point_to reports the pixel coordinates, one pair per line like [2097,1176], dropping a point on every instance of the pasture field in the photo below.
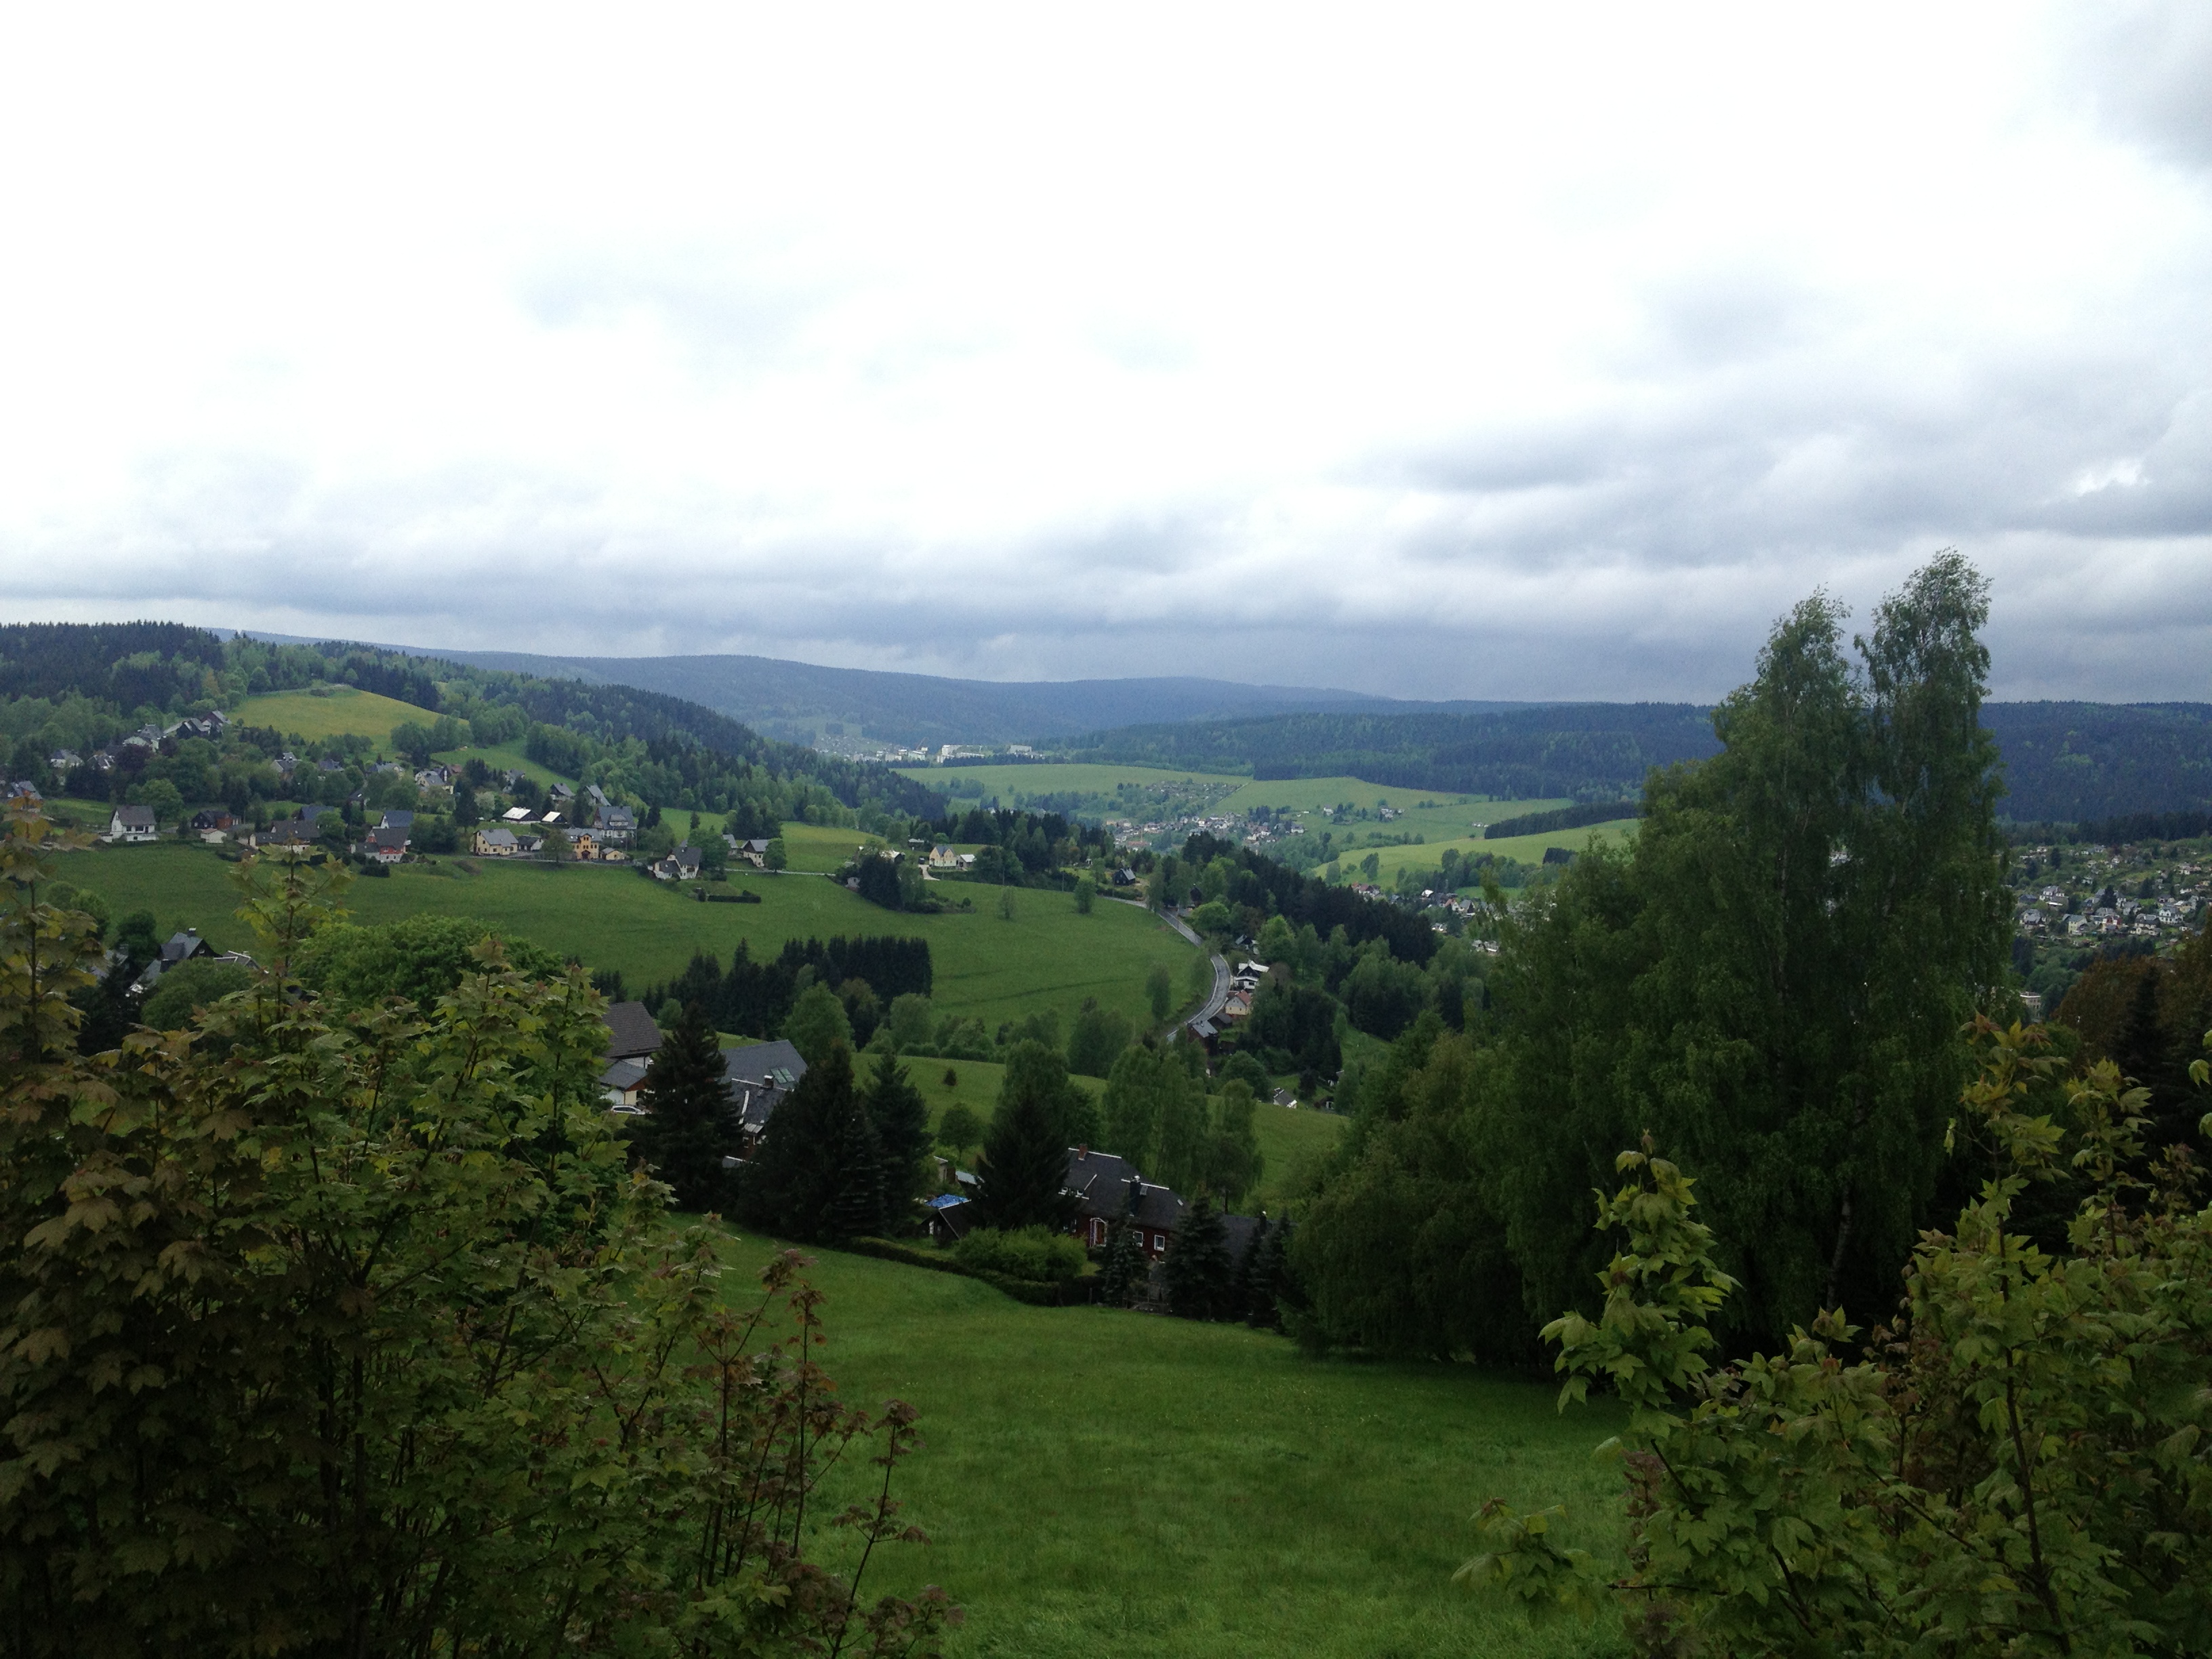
[1443,815]
[818,848]
[500,757]
[1099,1480]
[1063,777]
[608,916]
[1529,849]
[347,708]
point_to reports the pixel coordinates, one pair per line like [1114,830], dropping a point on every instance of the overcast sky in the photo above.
[1431,352]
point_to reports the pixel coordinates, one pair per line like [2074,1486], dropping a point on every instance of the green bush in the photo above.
[2015,1466]
[1032,1253]
[190,985]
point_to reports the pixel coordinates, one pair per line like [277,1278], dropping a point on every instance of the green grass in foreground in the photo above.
[608,916]
[1099,1480]
[347,708]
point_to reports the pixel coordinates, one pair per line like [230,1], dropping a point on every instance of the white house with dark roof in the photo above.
[132,823]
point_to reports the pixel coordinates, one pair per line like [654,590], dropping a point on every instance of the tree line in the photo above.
[1771,982]
[756,997]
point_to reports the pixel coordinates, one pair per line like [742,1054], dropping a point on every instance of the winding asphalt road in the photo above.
[1219,998]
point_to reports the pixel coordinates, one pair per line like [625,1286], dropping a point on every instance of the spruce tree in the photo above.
[1198,1272]
[1024,1167]
[792,1182]
[1251,1267]
[1263,1278]
[901,1118]
[684,1095]
[856,1203]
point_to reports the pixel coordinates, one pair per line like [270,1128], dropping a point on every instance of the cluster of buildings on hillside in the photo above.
[758,1077]
[2100,910]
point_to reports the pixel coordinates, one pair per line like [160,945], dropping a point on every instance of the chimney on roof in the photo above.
[1082,1151]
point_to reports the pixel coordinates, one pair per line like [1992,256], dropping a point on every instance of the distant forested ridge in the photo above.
[1587,752]
[2064,761]
[78,685]
[801,701]
[2071,761]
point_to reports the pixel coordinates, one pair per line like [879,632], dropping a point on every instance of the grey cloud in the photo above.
[2146,71]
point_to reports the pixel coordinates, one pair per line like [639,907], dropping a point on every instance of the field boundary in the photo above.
[1071,1293]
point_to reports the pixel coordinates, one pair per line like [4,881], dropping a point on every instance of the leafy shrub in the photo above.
[2017,1467]
[357,1335]
[1031,1253]
[190,985]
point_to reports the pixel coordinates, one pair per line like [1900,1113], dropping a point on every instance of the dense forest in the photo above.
[1589,751]
[2063,762]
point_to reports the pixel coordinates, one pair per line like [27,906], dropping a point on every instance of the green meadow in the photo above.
[1529,849]
[1095,1479]
[345,708]
[1047,957]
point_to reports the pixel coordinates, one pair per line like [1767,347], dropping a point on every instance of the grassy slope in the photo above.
[816,848]
[347,710]
[1103,1481]
[1048,957]
[1448,813]
[1529,849]
[502,758]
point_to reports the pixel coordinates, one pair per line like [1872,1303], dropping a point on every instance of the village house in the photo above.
[183,945]
[496,841]
[292,833]
[617,826]
[681,864]
[132,823]
[386,844]
[1109,1190]
[396,818]
[213,826]
[758,1077]
[633,1039]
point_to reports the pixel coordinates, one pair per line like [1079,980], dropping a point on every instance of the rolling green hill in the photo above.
[1102,1480]
[345,708]
[607,917]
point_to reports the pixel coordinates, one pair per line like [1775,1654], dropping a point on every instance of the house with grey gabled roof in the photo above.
[132,823]
[632,1033]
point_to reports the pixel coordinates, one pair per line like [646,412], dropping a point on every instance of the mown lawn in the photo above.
[347,708]
[1102,1481]
[1048,957]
